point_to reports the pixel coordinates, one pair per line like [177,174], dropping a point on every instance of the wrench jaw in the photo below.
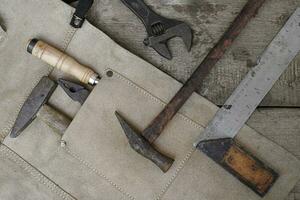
[185,33]
[159,42]
[161,48]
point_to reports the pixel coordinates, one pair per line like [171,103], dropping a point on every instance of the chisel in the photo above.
[62,61]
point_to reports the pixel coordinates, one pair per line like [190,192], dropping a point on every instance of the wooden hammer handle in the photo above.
[243,165]
[62,61]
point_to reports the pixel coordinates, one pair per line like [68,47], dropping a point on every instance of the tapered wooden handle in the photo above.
[247,168]
[62,61]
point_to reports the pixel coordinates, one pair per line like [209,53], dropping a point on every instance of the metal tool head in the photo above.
[160,29]
[38,97]
[143,147]
[159,41]
[74,91]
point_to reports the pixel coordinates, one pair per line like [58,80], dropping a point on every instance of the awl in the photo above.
[217,141]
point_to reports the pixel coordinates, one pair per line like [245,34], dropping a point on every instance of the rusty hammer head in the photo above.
[143,147]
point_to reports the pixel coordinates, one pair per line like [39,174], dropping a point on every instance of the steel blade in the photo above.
[257,83]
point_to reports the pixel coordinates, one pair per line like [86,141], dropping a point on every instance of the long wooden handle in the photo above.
[195,82]
[62,61]
[240,163]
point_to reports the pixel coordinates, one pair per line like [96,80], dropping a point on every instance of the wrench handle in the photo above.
[146,15]
[62,61]
[140,9]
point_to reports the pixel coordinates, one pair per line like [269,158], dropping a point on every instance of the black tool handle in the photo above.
[154,23]
[82,8]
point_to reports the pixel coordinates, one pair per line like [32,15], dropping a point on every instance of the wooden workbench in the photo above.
[209,19]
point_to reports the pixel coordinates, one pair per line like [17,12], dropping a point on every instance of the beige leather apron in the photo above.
[93,159]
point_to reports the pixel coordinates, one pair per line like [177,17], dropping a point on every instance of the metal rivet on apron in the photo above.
[109,73]
[63,143]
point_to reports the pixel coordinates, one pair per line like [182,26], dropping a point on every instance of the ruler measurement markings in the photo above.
[257,83]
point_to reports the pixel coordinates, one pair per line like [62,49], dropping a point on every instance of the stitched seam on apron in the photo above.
[5,131]
[93,169]
[185,118]
[179,168]
[172,179]
[34,173]
[154,98]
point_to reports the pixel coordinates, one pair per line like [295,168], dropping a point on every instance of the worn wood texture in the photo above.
[209,19]
[282,126]
[240,163]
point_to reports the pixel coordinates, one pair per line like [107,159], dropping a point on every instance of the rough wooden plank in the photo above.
[209,19]
[282,126]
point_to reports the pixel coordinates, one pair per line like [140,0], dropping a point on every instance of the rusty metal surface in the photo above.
[143,147]
[152,132]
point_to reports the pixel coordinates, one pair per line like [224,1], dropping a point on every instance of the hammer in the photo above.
[195,82]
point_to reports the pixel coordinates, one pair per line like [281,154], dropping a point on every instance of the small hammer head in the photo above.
[38,97]
[75,91]
[159,41]
[143,147]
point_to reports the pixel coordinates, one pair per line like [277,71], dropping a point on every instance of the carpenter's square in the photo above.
[159,28]
[217,141]
[35,105]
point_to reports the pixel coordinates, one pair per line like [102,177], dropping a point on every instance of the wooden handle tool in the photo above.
[240,163]
[62,61]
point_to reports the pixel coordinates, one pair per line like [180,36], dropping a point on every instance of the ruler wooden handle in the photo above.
[247,168]
[62,61]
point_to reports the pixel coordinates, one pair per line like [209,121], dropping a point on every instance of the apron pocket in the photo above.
[96,138]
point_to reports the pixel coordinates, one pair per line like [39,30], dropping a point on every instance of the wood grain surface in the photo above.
[209,19]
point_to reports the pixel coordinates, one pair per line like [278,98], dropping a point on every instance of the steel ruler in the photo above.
[257,83]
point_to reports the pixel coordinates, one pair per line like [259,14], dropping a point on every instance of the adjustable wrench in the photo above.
[160,29]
